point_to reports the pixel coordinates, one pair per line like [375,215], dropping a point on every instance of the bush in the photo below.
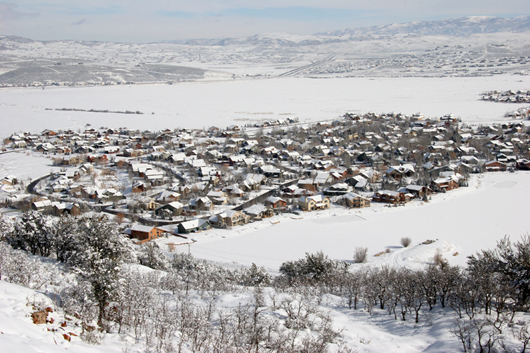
[360,255]
[405,241]
[314,267]
[438,259]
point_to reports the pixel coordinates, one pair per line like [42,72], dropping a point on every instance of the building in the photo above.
[315,202]
[144,233]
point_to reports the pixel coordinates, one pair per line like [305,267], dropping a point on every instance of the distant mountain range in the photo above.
[391,50]
[463,26]
[460,27]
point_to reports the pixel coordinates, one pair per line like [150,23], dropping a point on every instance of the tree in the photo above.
[315,267]
[405,241]
[511,262]
[65,237]
[33,233]
[100,253]
[255,276]
[151,256]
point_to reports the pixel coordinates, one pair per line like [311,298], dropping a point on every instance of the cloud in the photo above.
[291,13]
[80,22]
[8,13]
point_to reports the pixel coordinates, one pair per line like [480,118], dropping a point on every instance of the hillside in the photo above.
[471,46]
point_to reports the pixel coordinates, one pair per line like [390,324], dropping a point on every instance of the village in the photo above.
[181,181]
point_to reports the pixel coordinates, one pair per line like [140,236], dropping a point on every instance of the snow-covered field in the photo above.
[462,222]
[203,104]
[25,165]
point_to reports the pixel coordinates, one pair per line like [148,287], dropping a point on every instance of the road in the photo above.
[302,68]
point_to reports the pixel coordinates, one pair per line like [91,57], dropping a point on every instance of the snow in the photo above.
[25,165]
[222,103]
[19,334]
[462,221]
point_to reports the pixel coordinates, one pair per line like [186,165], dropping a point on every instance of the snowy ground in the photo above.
[25,165]
[203,104]
[462,222]
[19,334]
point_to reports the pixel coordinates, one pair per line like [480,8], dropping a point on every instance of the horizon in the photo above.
[119,21]
[261,33]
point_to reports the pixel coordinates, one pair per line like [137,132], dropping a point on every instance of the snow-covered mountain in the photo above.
[463,26]
[469,46]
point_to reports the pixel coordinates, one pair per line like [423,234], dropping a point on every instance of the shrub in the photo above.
[360,255]
[439,259]
[315,267]
[405,241]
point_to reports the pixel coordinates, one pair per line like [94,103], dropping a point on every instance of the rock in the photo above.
[39,317]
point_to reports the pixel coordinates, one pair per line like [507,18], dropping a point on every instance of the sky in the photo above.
[140,21]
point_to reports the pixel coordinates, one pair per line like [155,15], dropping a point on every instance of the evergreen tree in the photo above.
[101,252]
[65,238]
[33,233]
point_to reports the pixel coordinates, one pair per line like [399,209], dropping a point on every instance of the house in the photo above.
[444,184]
[202,204]
[234,190]
[72,174]
[229,218]
[448,180]
[337,189]
[270,171]
[62,208]
[154,176]
[218,197]
[400,172]
[392,197]
[419,191]
[148,203]
[308,184]
[315,202]
[370,174]
[354,200]
[144,233]
[276,203]
[109,195]
[70,161]
[167,196]
[94,158]
[139,187]
[253,182]
[45,147]
[195,225]
[43,204]
[523,164]
[258,212]
[169,210]
[495,166]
